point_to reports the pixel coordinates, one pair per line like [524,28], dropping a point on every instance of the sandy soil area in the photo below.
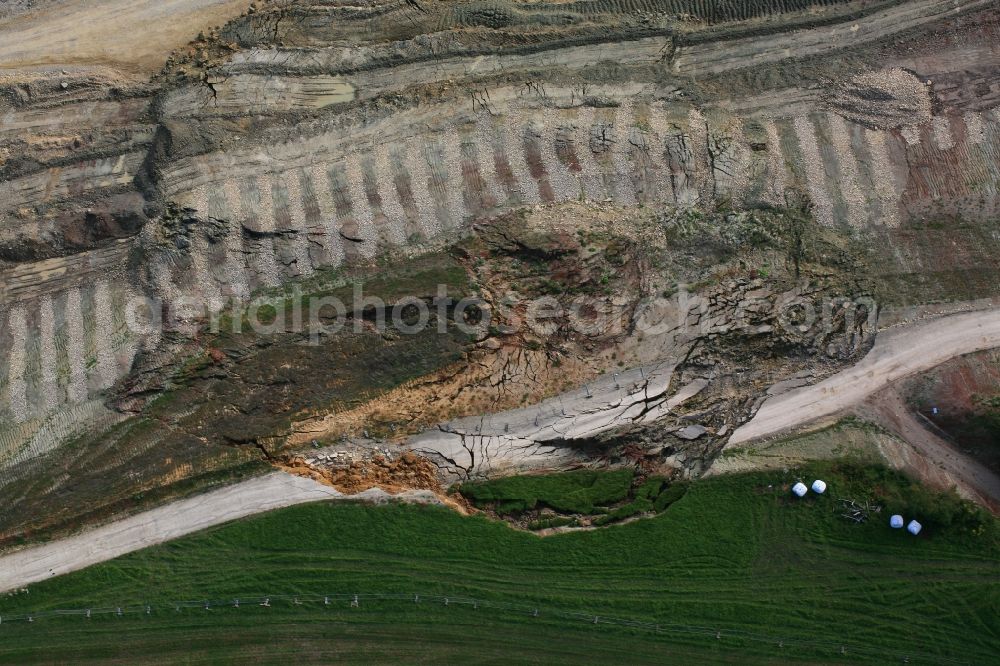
[131,35]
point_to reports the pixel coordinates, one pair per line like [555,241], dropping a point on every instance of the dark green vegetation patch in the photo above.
[574,492]
[608,496]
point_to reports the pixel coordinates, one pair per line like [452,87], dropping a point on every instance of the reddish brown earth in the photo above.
[938,461]
[965,393]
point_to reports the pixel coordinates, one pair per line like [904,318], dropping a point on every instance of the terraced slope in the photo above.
[310,135]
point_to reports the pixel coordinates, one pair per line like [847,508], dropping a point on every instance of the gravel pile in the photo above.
[883,99]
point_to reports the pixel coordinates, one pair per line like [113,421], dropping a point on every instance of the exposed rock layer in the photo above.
[310,135]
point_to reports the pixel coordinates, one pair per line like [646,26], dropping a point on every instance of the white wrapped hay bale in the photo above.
[819,486]
[896,522]
[914,527]
[800,489]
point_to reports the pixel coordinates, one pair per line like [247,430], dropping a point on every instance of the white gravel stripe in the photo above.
[701,169]
[621,153]
[657,140]
[361,209]
[265,218]
[204,282]
[297,219]
[486,157]
[815,174]
[885,183]
[104,331]
[145,333]
[850,178]
[564,185]
[911,135]
[328,214]
[76,346]
[416,166]
[17,360]
[236,270]
[941,130]
[975,128]
[451,150]
[513,144]
[777,168]
[385,177]
[198,200]
[739,158]
[591,176]
[47,353]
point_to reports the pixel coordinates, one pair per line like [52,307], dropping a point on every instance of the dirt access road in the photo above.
[936,459]
[273,491]
[897,353]
[129,35]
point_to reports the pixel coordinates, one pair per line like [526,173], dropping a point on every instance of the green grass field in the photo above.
[737,555]
[610,496]
[577,492]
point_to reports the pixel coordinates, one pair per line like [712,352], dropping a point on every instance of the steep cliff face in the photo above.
[305,138]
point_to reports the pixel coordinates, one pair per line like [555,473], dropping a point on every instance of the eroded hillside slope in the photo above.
[707,169]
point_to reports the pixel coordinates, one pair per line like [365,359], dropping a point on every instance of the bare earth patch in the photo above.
[116,33]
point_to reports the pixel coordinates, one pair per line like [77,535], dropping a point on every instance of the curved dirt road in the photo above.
[273,491]
[897,353]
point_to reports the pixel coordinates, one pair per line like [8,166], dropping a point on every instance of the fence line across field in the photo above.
[356,601]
